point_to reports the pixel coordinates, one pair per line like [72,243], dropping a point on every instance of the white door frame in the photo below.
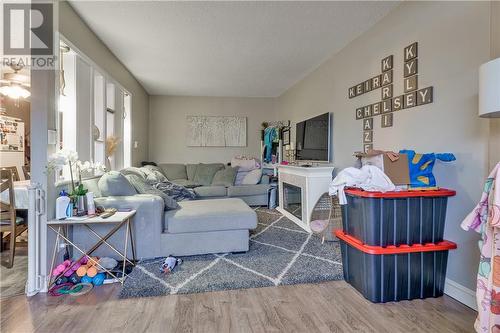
[44,85]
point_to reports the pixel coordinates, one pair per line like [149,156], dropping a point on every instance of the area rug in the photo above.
[281,253]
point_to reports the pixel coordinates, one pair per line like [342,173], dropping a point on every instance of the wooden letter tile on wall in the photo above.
[376,109]
[387,120]
[359,113]
[410,100]
[387,63]
[387,105]
[367,147]
[368,85]
[367,111]
[367,136]
[367,124]
[425,96]
[352,92]
[376,81]
[411,83]
[387,78]
[359,89]
[387,91]
[411,51]
[397,103]
[410,68]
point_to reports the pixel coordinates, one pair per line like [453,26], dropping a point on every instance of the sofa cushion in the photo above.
[113,183]
[210,215]
[174,170]
[246,190]
[191,171]
[211,191]
[205,173]
[225,177]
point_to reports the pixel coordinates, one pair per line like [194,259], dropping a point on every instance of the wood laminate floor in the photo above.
[325,307]
[13,280]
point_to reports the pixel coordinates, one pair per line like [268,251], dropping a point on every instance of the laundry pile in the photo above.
[368,178]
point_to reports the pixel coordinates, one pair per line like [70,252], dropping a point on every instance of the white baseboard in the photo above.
[460,293]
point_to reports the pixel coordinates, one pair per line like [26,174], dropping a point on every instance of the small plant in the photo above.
[68,157]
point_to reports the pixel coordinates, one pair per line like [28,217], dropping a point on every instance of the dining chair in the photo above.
[9,221]
[27,172]
[15,174]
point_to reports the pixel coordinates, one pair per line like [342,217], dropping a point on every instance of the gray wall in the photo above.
[78,33]
[454,40]
[167,129]
[494,139]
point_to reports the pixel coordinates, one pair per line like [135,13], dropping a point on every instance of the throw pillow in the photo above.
[206,172]
[160,176]
[155,169]
[133,171]
[245,164]
[113,183]
[153,176]
[253,177]
[144,188]
[240,175]
[225,177]
[150,176]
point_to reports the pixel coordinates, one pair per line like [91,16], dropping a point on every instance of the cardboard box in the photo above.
[395,166]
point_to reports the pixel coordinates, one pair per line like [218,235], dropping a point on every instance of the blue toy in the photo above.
[98,279]
[62,280]
[86,279]
[74,278]
[420,166]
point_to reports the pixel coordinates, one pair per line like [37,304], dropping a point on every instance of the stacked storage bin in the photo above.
[392,243]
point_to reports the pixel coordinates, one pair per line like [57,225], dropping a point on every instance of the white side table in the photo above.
[119,218]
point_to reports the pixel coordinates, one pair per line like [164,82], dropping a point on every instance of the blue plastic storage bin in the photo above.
[393,218]
[394,273]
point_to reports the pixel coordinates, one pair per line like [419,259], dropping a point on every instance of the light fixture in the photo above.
[15,91]
[15,85]
[489,89]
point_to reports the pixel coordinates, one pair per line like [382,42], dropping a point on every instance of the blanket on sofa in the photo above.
[145,182]
[178,192]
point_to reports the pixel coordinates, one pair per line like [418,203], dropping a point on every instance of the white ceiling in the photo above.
[238,48]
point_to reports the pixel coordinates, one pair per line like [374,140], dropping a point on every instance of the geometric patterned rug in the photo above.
[281,253]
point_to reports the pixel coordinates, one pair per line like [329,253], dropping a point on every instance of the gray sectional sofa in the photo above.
[189,175]
[219,221]
[197,227]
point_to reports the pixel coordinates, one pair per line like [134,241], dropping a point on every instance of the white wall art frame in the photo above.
[216,131]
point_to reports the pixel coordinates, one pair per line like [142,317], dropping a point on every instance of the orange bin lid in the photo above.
[400,249]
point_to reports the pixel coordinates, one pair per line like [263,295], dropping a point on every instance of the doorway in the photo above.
[15,163]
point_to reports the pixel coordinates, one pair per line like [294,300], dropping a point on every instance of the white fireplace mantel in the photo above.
[313,182]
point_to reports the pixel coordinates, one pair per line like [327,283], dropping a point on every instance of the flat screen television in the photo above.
[312,139]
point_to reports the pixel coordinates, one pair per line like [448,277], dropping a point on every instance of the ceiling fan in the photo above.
[15,85]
